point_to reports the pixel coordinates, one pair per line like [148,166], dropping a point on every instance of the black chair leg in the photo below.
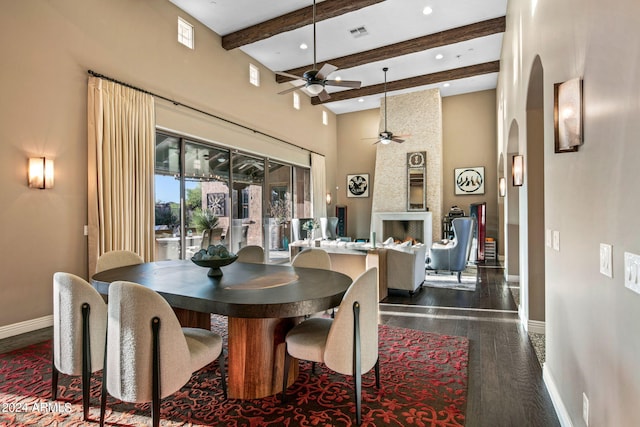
[103,392]
[155,394]
[223,374]
[377,371]
[54,381]
[357,379]
[459,276]
[313,368]
[285,376]
[86,360]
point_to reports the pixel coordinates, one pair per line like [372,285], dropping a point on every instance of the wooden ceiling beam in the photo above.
[455,35]
[426,79]
[293,20]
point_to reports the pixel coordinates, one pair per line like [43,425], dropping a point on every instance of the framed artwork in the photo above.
[217,202]
[567,115]
[358,185]
[469,180]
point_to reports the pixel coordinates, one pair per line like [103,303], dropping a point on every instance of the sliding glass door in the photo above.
[252,197]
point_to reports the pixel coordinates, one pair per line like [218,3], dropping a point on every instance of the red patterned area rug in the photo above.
[423,383]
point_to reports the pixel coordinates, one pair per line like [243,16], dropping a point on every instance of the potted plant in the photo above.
[206,222]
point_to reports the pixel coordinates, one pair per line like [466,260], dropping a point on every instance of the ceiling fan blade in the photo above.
[324,95]
[377,142]
[398,140]
[291,76]
[325,71]
[291,89]
[344,83]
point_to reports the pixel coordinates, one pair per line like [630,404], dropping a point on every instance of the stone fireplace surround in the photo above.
[378,219]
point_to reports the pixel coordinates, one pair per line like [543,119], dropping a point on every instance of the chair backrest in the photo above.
[463,232]
[312,258]
[338,354]
[252,254]
[115,259]
[129,342]
[329,227]
[69,293]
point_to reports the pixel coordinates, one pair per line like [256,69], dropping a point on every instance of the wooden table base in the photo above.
[256,357]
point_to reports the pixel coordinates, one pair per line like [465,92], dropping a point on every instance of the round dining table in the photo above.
[262,303]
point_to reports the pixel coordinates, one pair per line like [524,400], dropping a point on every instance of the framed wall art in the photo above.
[469,180]
[358,185]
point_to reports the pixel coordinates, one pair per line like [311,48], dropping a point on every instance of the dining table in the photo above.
[262,303]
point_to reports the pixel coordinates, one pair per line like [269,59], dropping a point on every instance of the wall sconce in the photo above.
[328,198]
[567,115]
[40,173]
[517,170]
[502,186]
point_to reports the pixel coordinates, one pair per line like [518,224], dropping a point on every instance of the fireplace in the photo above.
[400,225]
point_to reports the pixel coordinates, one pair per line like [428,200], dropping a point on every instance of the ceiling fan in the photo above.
[314,80]
[387,136]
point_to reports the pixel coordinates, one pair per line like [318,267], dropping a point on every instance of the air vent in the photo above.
[358,32]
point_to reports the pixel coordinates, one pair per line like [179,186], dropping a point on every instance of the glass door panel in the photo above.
[278,215]
[248,174]
[167,198]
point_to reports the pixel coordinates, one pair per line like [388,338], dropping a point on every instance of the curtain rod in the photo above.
[206,113]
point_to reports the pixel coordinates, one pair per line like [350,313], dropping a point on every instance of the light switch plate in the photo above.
[632,271]
[547,237]
[606,259]
[556,240]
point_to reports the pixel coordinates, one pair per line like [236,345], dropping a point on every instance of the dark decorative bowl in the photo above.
[215,264]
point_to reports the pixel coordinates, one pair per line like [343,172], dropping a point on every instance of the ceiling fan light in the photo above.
[385,141]
[315,88]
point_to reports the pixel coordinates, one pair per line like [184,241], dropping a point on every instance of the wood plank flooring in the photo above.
[505,377]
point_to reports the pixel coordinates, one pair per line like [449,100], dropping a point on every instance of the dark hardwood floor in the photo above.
[505,377]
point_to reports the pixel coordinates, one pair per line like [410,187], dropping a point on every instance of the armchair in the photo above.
[453,256]
[405,268]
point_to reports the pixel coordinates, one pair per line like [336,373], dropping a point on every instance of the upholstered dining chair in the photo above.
[252,254]
[149,355]
[312,258]
[79,328]
[347,344]
[115,259]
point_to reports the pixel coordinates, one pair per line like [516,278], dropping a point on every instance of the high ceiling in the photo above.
[390,33]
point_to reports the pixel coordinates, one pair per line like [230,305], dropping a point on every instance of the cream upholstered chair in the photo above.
[115,259]
[252,254]
[79,328]
[312,258]
[347,344]
[149,356]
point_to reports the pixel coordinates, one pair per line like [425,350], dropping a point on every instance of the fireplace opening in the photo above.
[403,230]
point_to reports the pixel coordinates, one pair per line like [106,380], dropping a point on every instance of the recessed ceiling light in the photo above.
[337,78]
[446,85]
[303,46]
[439,56]
[427,11]
[361,100]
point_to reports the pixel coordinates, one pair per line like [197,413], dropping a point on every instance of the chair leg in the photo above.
[357,358]
[103,392]
[313,368]
[223,374]
[285,377]
[86,360]
[54,379]
[377,371]
[459,276]
[155,394]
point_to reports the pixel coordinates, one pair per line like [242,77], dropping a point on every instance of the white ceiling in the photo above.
[388,22]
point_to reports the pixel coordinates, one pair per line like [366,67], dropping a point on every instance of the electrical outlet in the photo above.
[606,259]
[585,409]
[86,230]
[556,240]
[547,237]
[632,271]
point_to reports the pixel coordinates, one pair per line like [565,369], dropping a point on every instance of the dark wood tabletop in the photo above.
[244,290]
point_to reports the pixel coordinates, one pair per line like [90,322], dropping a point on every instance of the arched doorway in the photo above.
[534,183]
[512,215]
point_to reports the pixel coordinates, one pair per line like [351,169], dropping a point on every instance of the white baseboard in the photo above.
[558,404]
[535,326]
[512,278]
[26,326]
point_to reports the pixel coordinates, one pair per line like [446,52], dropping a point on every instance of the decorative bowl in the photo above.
[215,264]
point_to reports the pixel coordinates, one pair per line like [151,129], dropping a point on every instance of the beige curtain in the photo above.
[121,138]
[318,185]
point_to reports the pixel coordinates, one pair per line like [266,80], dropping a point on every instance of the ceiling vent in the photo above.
[358,32]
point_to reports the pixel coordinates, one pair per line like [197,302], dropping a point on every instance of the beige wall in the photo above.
[469,134]
[43,110]
[591,321]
